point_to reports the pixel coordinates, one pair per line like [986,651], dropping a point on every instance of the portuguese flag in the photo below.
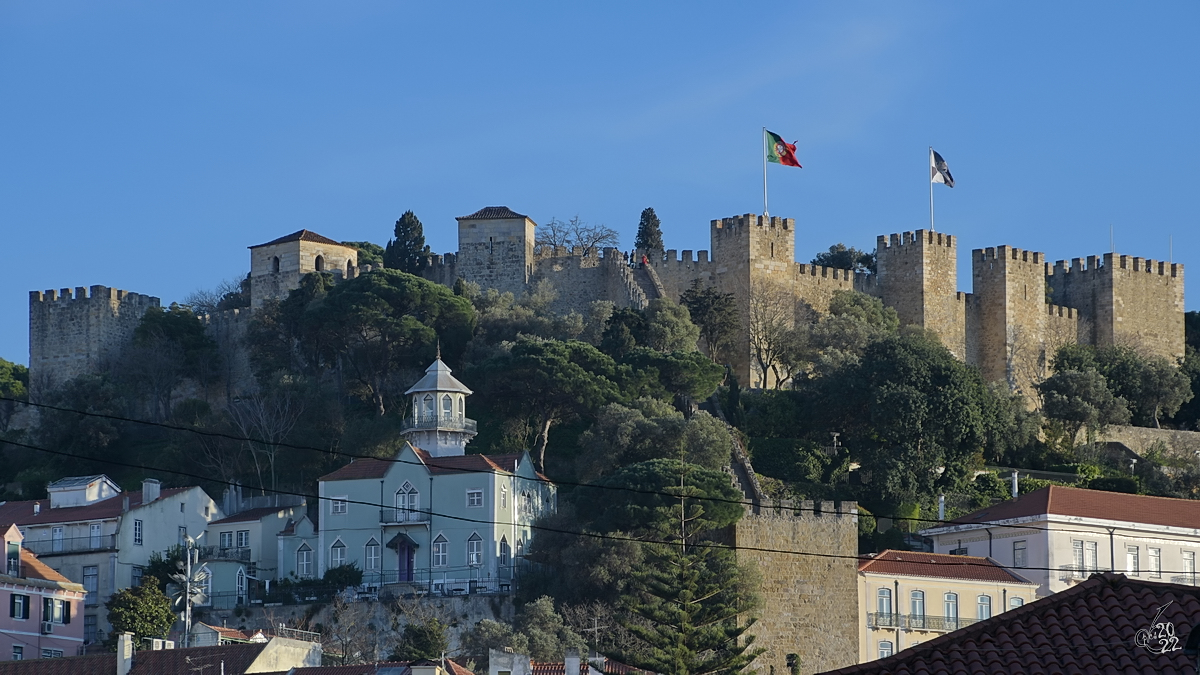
[780,151]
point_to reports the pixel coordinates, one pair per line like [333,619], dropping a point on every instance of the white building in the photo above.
[1058,536]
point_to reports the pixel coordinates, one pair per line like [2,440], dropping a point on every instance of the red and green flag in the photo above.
[780,151]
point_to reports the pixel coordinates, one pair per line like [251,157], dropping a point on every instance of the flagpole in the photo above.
[764,149]
[931,189]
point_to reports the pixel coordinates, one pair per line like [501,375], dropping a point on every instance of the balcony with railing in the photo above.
[66,545]
[436,421]
[929,622]
[1186,579]
[234,553]
[1076,573]
[402,516]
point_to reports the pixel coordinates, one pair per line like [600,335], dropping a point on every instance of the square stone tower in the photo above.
[495,249]
[749,245]
[277,266]
[917,276]
[1012,316]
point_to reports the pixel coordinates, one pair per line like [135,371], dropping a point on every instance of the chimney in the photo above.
[37,508]
[125,504]
[150,490]
[1014,484]
[941,509]
[124,653]
[571,662]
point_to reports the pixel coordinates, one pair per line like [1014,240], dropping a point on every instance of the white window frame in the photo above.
[883,601]
[338,506]
[1155,560]
[503,497]
[337,554]
[227,539]
[243,538]
[983,607]
[475,498]
[371,555]
[1015,602]
[1189,564]
[475,549]
[304,562]
[1020,553]
[408,502]
[56,538]
[886,649]
[441,551]
[1133,560]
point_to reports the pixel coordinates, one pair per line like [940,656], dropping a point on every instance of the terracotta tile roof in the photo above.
[237,658]
[1088,629]
[227,633]
[303,235]
[251,515]
[96,664]
[21,513]
[32,568]
[1068,501]
[560,668]
[378,468]
[915,564]
[386,667]
[493,213]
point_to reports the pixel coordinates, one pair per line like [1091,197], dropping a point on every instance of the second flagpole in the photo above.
[764,149]
[931,189]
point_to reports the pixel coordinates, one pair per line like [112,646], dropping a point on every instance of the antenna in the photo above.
[1112,245]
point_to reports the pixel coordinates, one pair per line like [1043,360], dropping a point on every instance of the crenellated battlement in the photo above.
[1060,311]
[1008,253]
[103,293]
[828,272]
[920,238]
[753,220]
[806,509]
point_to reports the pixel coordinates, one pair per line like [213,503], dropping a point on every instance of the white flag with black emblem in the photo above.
[938,171]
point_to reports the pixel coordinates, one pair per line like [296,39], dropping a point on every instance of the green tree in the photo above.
[1081,399]
[14,384]
[716,314]
[548,381]
[407,251]
[649,234]
[687,374]
[1164,389]
[669,327]
[161,566]
[626,329]
[650,429]
[548,637]
[488,635]
[855,321]
[143,610]
[424,639]
[168,346]
[368,253]
[840,257]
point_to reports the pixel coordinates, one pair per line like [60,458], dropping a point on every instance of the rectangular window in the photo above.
[227,540]
[94,538]
[337,506]
[14,559]
[1189,567]
[1132,561]
[475,551]
[56,535]
[18,653]
[18,606]
[885,649]
[474,498]
[52,653]
[1014,602]
[983,607]
[135,576]
[91,584]
[183,535]
[137,533]
[243,539]
[503,497]
[1077,554]
[1091,559]
[372,556]
[1019,553]
[1155,563]
[440,552]
[337,556]
[956,551]
[304,563]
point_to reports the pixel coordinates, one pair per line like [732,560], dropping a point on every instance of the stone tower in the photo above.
[751,245]
[438,420]
[917,276]
[72,334]
[495,249]
[277,266]
[1010,343]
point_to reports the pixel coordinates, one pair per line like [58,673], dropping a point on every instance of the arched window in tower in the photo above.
[447,407]
[505,552]
[320,263]
[349,266]
[275,264]
[427,403]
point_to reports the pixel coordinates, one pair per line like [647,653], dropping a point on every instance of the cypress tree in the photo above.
[649,234]
[407,251]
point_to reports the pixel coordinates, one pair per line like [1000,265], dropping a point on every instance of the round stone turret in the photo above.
[437,421]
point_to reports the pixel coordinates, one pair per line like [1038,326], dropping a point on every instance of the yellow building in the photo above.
[906,598]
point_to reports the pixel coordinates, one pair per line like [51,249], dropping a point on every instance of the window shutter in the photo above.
[66,609]
[12,606]
[47,609]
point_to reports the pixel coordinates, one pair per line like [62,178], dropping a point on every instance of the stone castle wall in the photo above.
[496,253]
[228,329]
[809,602]
[76,333]
[581,278]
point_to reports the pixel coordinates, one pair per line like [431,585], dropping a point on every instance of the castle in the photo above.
[1021,309]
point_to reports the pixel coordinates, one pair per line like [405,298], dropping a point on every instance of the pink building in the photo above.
[40,609]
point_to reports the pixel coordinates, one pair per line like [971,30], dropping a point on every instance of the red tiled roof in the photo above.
[1088,629]
[302,235]
[367,669]
[377,468]
[32,568]
[21,513]
[560,668]
[236,658]
[1069,501]
[493,213]
[251,515]
[228,633]
[916,564]
[96,664]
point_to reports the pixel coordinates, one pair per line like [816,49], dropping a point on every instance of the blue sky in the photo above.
[144,146]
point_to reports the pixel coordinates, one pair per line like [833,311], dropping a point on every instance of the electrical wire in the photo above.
[795,508]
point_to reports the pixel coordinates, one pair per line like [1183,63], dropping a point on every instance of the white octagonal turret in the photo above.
[437,421]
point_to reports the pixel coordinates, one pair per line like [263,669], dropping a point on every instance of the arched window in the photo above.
[916,609]
[275,264]
[1014,603]
[372,555]
[475,550]
[983,607]
[337,554]
[885,649]
[349,266]
[505,552]
[408,503]
[440,551]
[304,568]
[447,407]
[883,602]
[320,263]
[241,586]
[427,404]
[951,610]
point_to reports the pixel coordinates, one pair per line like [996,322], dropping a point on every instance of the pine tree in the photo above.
[649,234]
[407,251]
